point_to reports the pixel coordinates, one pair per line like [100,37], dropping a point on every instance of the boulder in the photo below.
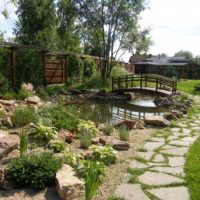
[106,140]
[120,145]
[95,140]
[69,187]
[7,122]
[177,113]
[66,135]
[163,101]
[7,144]
[158,121]
[170,116]
[33,100]
[7,102]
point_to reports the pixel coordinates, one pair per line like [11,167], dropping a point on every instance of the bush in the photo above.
[85,139]
[57,146]
[87,126]
[117,70]
[60,116]
[124,133]
[23,94]
[44,132]
[37,171]
[24,116]
[90,68]
[108,129]
[8,95]
[75,69]
[106,154]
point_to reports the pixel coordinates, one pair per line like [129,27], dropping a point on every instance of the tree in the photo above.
[36,23]
[186,54]
[68,31]
[113,25]
[4,12]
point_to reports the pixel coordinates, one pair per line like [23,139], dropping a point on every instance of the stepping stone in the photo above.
[182,125]
[175,129]
[131,192]
[145,155]
[157,179]
[152,164]
[197,128]
[179,151]
[171,170]
[179,134]
[168,147]
[159,158]
[176,161]
[172,137]
[180,143]
[137,165]
[189,139]
[186,131]
[151,146]
[158,139]
[171,193]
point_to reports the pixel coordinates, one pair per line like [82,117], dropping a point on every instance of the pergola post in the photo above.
[13,67]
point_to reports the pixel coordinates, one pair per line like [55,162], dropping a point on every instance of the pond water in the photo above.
[110,112]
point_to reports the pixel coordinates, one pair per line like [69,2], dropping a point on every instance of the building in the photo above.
[180,67]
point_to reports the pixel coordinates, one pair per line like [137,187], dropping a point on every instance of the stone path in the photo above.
[157,172]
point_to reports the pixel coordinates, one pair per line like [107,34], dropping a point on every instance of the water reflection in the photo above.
[109,112]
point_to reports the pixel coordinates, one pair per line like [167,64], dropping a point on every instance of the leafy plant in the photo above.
[23,144]
[108,129]
[124,133]
[106,154]
[89,68]
[57,146]
[87,126]
[24,116]
[23,94]
[92,174]
[45,132]
[85,139]
[72,159]
[60,116]
[37,171]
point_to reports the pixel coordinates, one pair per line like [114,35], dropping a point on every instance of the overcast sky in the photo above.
[175,25]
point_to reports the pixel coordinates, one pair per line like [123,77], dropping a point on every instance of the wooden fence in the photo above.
[142,81]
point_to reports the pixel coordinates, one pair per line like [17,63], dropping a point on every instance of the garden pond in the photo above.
[113,111]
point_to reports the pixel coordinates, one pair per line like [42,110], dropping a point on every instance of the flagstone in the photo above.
[180,143]
[145,155]
[175,129]
[179,151]
[131,192]
[158,139]
[186,131]
[171,193]
[176,161]
[158,178]
[137,165]
[159,158]
[172,137]
[150,146]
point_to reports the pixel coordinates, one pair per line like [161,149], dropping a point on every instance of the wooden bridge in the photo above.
[144,82]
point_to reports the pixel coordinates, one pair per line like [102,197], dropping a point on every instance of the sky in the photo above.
[174,24]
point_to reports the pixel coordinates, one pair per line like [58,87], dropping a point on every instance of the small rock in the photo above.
[106,140]
[66,135]
[33,100]
[120,145]
[69,186]
[95,140]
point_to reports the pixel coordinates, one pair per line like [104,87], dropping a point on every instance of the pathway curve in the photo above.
[157,171]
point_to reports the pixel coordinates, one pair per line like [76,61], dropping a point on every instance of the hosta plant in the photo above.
[87,126]
[106,154]
[57,146]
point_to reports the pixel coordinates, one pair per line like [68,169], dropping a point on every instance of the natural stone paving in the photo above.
[163,171]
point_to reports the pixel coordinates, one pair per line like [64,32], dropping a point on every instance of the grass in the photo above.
[192,170]
[188,86]
[124,134]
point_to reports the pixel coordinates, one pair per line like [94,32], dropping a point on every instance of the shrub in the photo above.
[75,69]
[124,133]
[23,94]
[8,95]
[108,129]
[23,144]
[85,139]
[57,146]
[117,70]
[24,116]
[92,173]
[90,68]
[44,132]
[87,126]
[37,171]
[106,154]
[60,116]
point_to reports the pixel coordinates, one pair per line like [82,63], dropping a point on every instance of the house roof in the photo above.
[163,61]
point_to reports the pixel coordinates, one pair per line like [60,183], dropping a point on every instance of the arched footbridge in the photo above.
[145,82]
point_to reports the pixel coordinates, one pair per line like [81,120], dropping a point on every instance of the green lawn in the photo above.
[192,170]
[188,86]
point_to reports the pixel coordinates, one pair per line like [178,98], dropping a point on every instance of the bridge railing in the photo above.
[142,81]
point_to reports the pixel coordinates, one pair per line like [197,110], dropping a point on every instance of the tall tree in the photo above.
[113,24]
[184,53]
[36,22]
[68,31]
